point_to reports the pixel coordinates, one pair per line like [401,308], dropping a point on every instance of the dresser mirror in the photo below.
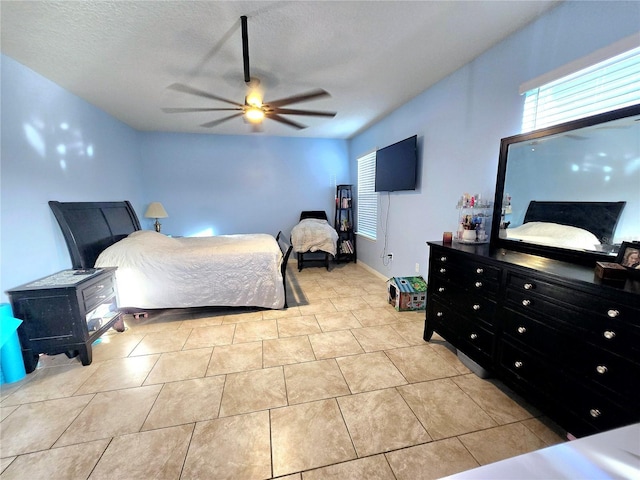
[571,191]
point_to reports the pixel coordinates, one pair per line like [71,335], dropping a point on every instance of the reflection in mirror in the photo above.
[575,186]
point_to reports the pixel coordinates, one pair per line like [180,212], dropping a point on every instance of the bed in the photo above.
[156,271]
[313,239]
[571,225]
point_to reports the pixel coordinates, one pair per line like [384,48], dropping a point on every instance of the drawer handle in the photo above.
[443,270]
[526,302]
[595,413]
[439,314]
[443,259]
[528,286]
[609,334]
[478,284]
[479,270]
[101,297]
[100,287]
[473,336]
[522,330]
[476,307]
[613,313]
[440,289]
[601,369]
[518,364]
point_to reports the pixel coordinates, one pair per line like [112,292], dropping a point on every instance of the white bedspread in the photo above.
[544,233]
[313,234]
[155,271]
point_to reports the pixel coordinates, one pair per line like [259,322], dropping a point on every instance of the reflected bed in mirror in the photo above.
[571,191]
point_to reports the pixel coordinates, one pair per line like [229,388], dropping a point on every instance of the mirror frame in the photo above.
[573,256]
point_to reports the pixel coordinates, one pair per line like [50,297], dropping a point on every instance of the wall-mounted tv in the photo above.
[397,165]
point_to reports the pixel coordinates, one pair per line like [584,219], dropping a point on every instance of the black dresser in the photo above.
[549,329]
[65,313]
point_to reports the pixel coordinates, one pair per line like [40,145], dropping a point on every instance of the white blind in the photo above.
[608,85]
[367,196]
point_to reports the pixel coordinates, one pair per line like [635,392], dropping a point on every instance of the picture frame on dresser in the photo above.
[629,257]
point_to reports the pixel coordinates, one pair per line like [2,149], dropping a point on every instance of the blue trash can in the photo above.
[11,363]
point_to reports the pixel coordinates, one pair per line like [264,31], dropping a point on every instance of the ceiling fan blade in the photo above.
[303,97]
[310,113]
[245,48]
[220,120]
[180,87]
[286,121]
[188,110]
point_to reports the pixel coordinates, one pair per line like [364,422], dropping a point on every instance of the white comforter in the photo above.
[313,234]
[155,271]
[544,233]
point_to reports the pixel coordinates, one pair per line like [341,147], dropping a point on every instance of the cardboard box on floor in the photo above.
[407,293]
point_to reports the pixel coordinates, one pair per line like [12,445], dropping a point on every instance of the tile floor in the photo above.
[339,385]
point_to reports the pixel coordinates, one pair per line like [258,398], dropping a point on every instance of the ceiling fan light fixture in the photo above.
[254,99]
[254,114]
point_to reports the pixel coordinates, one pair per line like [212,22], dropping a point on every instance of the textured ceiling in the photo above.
[371,56]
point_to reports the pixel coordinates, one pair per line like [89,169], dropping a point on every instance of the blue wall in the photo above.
[460,121]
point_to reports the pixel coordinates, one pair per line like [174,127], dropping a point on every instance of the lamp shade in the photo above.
[156,210]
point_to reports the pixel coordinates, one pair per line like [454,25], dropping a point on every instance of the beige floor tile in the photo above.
[334,344]
[411,331]
[319,306]
[320,293]
[370,317]
[444,409]
[370,468]
[161,342]
[36,426]
[154,454]
[202,322]
[210,336]
[75,461]
[376,299]
[381,421]
[370,371]
[119,373]
[284,351]
[188,401]
[252,391]
[307,436]
[256,331]
[175,366]
[350,291]
[431,460]
[116,345]
[492,400]
[233,447]
[110,414]
[546,430]
[344,304]
[242,317]
[59,360]
[235,358]
[5,462]
[420,363]
[494,444]
[153,325]
[51,383]
[6,411]
[277,314]
[333,321]
[446,351]
[311,381]
[301,325]
[374,339]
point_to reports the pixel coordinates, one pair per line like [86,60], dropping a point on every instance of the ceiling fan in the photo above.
[253,109]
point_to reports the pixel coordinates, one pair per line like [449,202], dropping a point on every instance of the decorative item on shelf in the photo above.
[156,210]
[629,258]
[473,219]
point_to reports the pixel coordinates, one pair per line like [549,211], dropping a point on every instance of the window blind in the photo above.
[367,196]
[606,86]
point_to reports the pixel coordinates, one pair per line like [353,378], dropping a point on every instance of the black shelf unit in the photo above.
[343,223]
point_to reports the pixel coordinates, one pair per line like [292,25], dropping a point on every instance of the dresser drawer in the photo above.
[97,293]
[468,303]
[442,319]
[528,368]
[476,341]
[535,335]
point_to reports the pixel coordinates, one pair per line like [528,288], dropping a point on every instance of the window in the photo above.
[605,86]
[367,196]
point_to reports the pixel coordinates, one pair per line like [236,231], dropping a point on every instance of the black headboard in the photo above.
[599,218]
[90,227]
[313,214]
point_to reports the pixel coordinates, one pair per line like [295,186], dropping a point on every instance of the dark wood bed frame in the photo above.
[599,218]
[90,227]
[313,257]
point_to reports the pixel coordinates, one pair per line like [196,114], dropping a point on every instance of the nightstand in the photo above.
[65,313]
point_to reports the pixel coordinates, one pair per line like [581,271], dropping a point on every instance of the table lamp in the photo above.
[156,210]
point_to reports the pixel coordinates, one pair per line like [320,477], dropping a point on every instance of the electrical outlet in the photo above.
[390,256]
[417,268]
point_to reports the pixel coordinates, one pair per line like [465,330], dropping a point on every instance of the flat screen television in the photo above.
[396,166]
